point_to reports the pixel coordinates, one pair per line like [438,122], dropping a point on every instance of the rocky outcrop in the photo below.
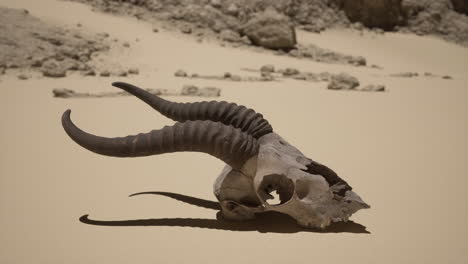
[27,42]
[385,14]
[460,6]
[436,17]
[444,18]
[271,30]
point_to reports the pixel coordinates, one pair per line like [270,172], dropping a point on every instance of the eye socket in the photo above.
[276,189]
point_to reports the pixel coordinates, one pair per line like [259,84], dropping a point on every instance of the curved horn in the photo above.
[224,142]
[232,114]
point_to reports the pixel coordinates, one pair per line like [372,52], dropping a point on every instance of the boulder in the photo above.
[63,92]
[105,73]
[23,76]
[133,70]
[232,10]
[180,73]
[51,68]
[460,6]
[192,90]
[268,68]
[405,74]
[290,72]
[373,88]
[186,29]
[271,30]
[230,35]
[343,81]
[385,14]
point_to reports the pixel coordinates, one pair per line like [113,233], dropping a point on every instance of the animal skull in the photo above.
[258,160]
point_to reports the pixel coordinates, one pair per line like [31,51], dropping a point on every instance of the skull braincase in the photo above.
[314,200]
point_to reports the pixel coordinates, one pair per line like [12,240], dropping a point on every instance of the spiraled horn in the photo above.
[232,114]
[224,142]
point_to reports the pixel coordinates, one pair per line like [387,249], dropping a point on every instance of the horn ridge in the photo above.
[227,113]
[224,142]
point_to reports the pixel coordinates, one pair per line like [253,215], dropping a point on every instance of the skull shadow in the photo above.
[268,222]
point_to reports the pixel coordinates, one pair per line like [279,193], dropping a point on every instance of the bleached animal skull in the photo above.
[258,160]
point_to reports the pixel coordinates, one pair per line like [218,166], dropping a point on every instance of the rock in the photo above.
[232,10]
[189,90]
[358,26]
[300,76]
[133,71]
[385,14]
[63,93]
[209,92]
[12,65]
[37,61]
[155,30]
[192,90]
[460,6]
[90,72]
[324,76]
[227,75]
[266,76]
[315,28]
[186,29]
[180,73]
[271,30]
[216,3]
[51,68]
[83,67]
[447,77]
[429,74]
[103,35]
[290,72]
[126,45]
[373,88]
[405,74]
[23,76]
[229,35]
[343,81]
[2,70]
[121,73]
[105,73]
[69,64]
[295,53]
[357,61]
[245,40]
[79,25]
[379,31]
[267,68]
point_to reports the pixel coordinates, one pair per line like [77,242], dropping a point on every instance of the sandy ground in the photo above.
[404,151]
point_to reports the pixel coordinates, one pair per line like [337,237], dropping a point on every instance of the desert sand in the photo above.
[404,151]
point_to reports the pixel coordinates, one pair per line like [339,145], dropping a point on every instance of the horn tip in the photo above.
[66,114]
[119,84]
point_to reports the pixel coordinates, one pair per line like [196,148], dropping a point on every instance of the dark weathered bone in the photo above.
[232,114]
[224,142]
